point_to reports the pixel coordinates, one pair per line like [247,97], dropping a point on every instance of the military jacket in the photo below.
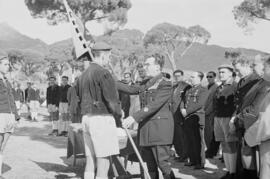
[194,102]
[156,125]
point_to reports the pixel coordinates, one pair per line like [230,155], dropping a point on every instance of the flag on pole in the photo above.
[77,31]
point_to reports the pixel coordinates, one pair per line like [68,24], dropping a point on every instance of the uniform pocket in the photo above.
[160,130]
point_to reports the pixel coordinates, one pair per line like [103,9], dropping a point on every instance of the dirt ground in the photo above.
[32,154]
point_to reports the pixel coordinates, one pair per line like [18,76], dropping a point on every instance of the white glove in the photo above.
[184,112]
[128,122]
[231,124]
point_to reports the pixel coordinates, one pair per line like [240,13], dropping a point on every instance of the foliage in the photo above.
[27,61]
[249,11]
[114,11]
[58,58]
[171,38]
[127,50]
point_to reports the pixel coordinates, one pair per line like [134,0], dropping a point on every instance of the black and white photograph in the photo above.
[143,89]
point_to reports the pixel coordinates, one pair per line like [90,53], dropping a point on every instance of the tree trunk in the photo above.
[171,59]
[186,49]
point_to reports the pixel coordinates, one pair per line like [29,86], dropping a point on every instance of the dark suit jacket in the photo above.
[209,103]
[249,110]
[243,86]
[178,96]
[53,95]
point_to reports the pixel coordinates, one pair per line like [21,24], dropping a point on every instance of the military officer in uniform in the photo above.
[156,125]
[192,110]
[179,138]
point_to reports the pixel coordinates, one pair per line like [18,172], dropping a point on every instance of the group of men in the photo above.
[30,96]
[58,104]
[194,119]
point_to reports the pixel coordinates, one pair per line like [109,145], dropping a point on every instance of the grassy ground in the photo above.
[32,154]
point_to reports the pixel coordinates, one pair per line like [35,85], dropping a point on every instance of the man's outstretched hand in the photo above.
[128,122]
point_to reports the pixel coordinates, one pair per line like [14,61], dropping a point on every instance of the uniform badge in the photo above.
[145,109]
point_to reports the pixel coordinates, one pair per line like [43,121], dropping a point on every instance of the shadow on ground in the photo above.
[41,134]
[62,171]
[206,173]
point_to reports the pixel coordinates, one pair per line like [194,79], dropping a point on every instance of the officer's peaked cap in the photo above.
[228,66]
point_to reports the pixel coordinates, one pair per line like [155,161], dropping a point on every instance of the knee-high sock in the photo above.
[89,175]
[55,125]
[60,125]
[1,162]
[227,162]
[232,160]
[101,177]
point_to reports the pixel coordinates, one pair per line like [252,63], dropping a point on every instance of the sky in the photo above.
[214,15]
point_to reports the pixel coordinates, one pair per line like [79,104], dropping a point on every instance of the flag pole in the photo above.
[138,154]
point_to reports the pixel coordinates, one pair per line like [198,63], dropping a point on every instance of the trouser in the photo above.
[209,130]
[179,140]
[194,142]
[213,147]
[264,148]
[157,157]
[246,168]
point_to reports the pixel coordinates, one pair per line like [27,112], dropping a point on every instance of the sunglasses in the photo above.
[209,77]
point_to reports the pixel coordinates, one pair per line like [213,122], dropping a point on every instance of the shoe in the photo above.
[53,133]
[169,176]
[221,159]
[62,133]
[198,167]
[225,176]
[189,164]
[180,159]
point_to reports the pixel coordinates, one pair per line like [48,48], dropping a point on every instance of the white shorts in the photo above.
[34,106]
[100,135]
[7,123]
[63,107]
[18,104]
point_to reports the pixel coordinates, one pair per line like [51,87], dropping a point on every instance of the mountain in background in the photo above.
[199,57]
[12,39]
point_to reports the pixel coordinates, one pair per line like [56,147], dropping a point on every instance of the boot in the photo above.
[154,175]
[169,176]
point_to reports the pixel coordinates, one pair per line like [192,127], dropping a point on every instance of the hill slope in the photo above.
[12,39]
[199,57]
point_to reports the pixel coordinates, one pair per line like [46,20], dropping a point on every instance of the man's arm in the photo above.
[136,89]
[162,97]
[250,113]
[110,95]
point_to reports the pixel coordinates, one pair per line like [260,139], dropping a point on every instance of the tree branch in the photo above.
[258,16]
